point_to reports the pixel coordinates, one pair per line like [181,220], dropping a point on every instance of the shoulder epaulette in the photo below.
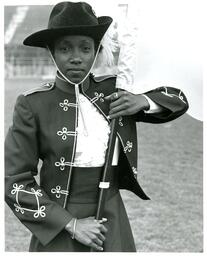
[102,78]
[42,88]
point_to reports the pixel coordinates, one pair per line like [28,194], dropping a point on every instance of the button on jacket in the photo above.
[45,127]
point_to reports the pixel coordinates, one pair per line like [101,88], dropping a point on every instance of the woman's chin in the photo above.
[75,78]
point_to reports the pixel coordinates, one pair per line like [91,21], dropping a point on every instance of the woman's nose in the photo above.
[75,60]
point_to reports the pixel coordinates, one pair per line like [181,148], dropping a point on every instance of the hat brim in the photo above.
[44,37]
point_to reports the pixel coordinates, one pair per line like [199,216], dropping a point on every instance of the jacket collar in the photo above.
[63,85]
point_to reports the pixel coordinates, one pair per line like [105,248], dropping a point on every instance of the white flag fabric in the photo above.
[127,40]
[160,45]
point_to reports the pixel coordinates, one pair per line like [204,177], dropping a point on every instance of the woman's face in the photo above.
[74,56]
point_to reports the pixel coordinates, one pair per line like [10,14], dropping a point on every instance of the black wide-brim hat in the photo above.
[69,18]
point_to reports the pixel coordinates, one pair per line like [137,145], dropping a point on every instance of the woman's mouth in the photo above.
[75,70]
[75,74]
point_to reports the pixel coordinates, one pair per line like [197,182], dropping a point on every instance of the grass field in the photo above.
[170,171]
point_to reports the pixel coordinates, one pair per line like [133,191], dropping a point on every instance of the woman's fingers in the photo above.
[100,228]
[97,241]
[115,95]
[116,102]
[103,229]
[101,221]
[95,246]
[101,237]
[91,232]
[118,114]
[117,109]
[123,103]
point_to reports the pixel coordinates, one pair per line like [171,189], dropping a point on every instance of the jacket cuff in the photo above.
[154,107]
[173,100]
[54,227]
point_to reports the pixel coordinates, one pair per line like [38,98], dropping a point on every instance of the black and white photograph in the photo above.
[103,126]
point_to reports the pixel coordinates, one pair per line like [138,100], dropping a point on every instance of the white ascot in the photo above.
[91,145]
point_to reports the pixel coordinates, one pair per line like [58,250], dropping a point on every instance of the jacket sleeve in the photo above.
[173,103]
[32,206]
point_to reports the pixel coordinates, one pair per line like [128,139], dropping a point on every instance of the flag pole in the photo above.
[125,80]
[105,179]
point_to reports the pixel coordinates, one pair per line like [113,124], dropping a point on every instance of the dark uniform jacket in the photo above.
[44,127]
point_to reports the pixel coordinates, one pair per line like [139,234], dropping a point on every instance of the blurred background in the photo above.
[170,155]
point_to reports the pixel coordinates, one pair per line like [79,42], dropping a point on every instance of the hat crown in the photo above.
[69,18]
[66,14]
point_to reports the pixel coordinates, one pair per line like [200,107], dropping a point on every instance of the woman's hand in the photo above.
[89,232]
[124,103]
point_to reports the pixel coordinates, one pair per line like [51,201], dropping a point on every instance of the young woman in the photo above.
[66,125]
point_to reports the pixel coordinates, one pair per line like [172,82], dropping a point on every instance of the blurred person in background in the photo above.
[66,124]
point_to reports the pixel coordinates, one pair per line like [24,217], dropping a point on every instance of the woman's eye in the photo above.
[86,48]
[64,49]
